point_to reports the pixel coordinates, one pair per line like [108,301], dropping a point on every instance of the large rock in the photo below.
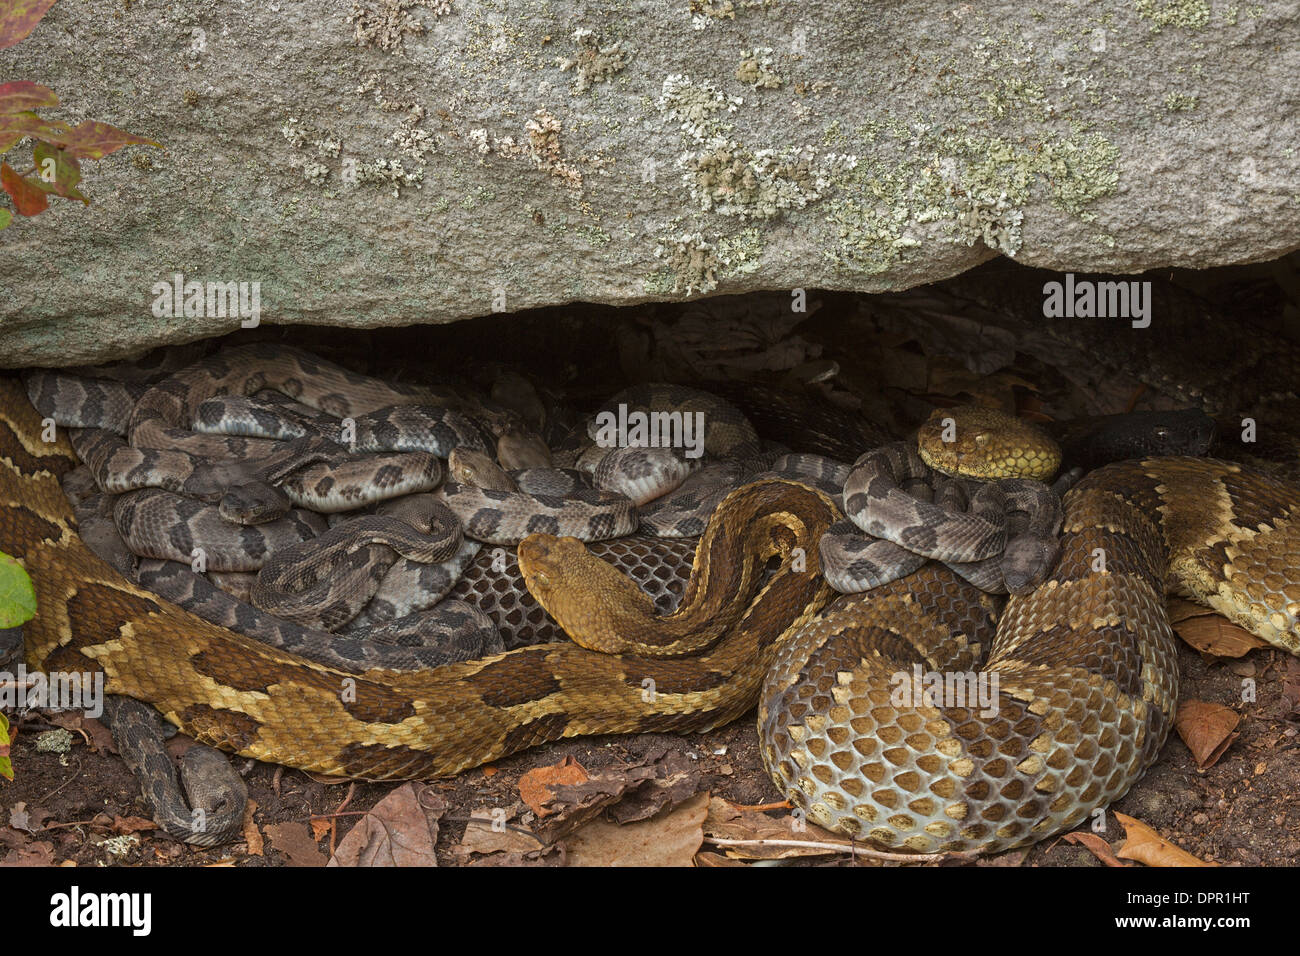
[403,161]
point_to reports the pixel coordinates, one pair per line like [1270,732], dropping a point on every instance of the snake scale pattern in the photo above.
[1085,660]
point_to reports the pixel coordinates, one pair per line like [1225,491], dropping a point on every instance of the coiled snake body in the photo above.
[1087,673]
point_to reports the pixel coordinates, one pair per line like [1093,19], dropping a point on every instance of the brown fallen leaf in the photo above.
[252,835]
[671,839]
[727,821]
[400,830]
[1145,845]
[707,858]
[1213,634]
[321,827]
[295,842]
[1180,609]
[552,856]
[535,785]
[490,833]
[101,738]
[628,793]
[132,824]
[36,853]
[1207,729]
[1095,845]
[29,819]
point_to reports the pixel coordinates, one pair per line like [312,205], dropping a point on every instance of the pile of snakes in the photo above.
[388,580]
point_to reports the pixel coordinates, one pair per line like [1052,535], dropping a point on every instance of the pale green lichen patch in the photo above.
[386,172]
[1181,102]
[731,180]
[758,69]
[1189,14]
[693,264]
[976,186]
[696,107]
[741,253]
[595,61]
[387,23]
[705,12]
[310,148]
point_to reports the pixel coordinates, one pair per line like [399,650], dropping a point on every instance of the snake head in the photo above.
[592,601]
[544,559]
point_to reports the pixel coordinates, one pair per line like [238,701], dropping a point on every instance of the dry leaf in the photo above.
[726,821]
[400,830]
[671,839]
[295,841]
[21,817]
[1213,634]
[627,793]
[535,785]
[1207,729]
[1180,609]
[101,738]
[1146,846]
[488,831]
[1095,845]
[252,835]
[32,854]
[707,858]
[132,824]
[321,827]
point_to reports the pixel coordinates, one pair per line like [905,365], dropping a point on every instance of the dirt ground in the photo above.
[83,804]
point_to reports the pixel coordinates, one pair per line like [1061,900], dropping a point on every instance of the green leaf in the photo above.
[66,171]
[17,596]
[25,95]
[19,17]
[95,140]
[6,768]
[5,217]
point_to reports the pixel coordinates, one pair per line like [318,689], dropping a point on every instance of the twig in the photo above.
[853,849]
[75,774]
[352,788]
[762,807]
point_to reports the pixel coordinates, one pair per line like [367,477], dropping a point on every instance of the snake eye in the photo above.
[981,438]
[542,579]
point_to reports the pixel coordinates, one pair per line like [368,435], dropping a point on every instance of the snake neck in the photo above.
[603,610]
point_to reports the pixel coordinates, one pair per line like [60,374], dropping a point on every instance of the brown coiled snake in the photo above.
[1086,665]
